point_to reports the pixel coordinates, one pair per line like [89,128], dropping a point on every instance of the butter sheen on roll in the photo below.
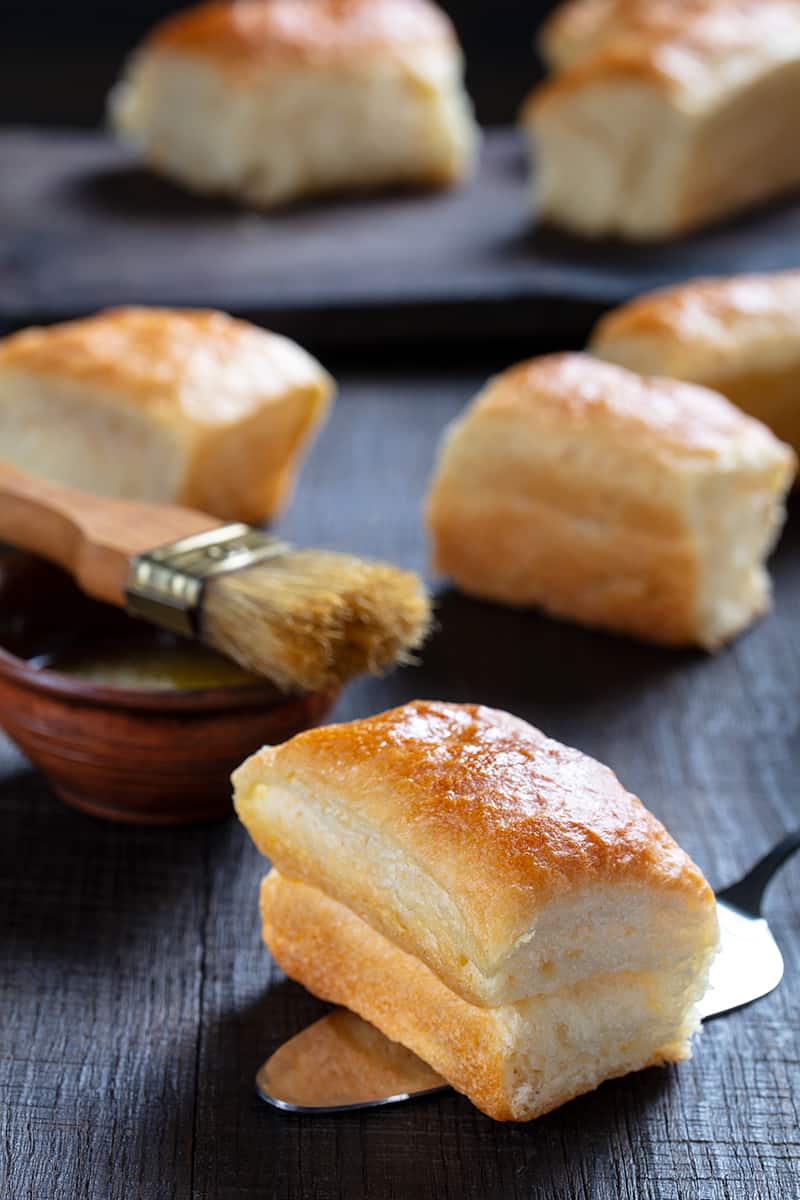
[494,900]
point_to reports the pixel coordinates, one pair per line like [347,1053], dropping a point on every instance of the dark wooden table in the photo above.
[136,999]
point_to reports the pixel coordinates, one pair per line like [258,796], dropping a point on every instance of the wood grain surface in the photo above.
[84,226]
[136,999]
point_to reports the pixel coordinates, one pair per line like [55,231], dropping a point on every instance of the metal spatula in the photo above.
[342,1062]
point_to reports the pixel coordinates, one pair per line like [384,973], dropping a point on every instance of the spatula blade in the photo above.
[748,965]
[342,1062]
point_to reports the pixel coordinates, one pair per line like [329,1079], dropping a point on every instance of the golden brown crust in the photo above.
[504,819]
[653,415]
[608,497]
[249,34]
[688,46]
[674,35]
[739,334]
[579,28]
[241,402]
[508,823]
[618,64]
[196,364]
[714,315]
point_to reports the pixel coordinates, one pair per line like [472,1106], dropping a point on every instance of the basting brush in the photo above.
[306,619]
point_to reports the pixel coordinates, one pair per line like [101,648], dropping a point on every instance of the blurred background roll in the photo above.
[58,61]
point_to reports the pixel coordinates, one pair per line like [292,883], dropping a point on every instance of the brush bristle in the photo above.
[311,619]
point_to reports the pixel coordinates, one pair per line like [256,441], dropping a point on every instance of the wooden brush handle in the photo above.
[94,538]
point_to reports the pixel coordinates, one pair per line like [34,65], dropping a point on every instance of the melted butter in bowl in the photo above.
[129,723]
[157,663]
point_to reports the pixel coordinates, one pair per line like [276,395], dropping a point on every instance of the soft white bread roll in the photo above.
[173,406]
[666,115]
[492,899]
[639,504]
[739,335]
[577,29]
[269,100]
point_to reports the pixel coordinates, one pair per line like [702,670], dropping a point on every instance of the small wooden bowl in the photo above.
[154,757]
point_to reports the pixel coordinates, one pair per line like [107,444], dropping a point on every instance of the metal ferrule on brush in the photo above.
[166,585]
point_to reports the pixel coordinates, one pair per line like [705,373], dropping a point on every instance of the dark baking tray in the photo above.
[84,226]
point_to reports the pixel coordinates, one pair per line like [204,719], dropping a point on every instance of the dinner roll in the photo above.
[643,505]
[739,335]
[189,407]
[494,900]
[269,100]
[665,114]
[576,29]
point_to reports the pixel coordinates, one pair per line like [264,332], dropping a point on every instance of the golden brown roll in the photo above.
[739,335]
[643,505]
[492,899]
[269,100]
[173,406]
[664,115]
[578,29]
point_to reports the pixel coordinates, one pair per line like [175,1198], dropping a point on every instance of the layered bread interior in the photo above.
[492,900]
[519,1057]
